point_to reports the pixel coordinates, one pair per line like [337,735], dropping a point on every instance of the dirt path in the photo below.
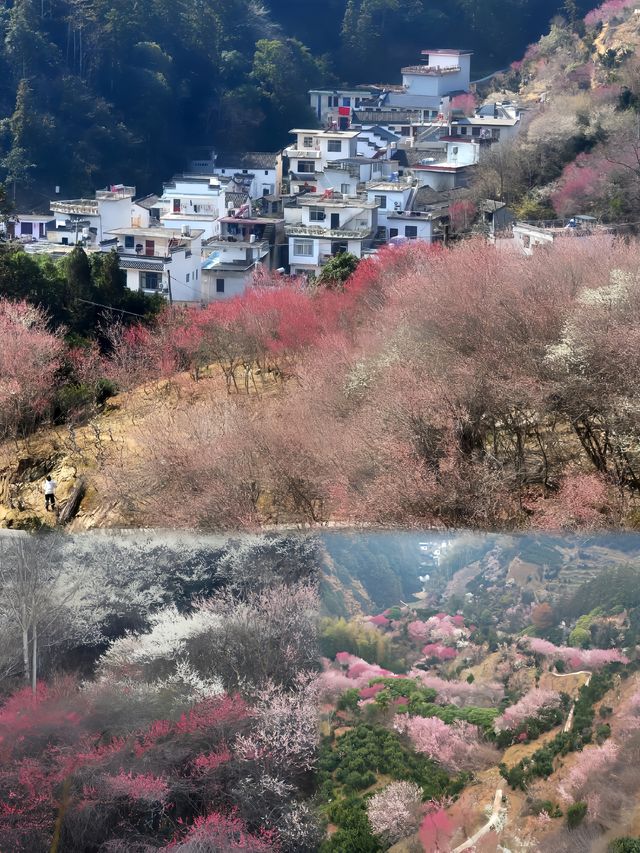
[494,820]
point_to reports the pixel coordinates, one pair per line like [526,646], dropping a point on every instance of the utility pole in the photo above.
[170,294]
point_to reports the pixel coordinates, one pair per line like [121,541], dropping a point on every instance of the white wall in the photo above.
[113,213]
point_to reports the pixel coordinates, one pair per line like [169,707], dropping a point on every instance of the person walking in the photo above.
[50,493]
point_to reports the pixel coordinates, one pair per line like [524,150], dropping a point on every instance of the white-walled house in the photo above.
[228,268]
[443,72]
[326,103]
[28,227]
[91,219]
[161,260]
[492,123]
[416,224]
[310,154]
[196,201]
[319,226]
[259,173]
[390,197]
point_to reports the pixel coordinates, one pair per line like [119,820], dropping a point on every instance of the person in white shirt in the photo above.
[50,493]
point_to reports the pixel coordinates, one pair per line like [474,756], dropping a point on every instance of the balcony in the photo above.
[303,153]
[431,70]
[327,233]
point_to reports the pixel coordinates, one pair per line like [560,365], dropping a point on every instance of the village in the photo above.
[387,164]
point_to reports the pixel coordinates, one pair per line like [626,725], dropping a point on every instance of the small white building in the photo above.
[319,226]
[161,260]
[28,227]
[326,103]
[228,268]
[492,123]
[258,173]
[390,197]
[417,224]
[90,219]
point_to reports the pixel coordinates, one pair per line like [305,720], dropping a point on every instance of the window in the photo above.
[303,248]
[317,214]
[357,102]
[463,131]
[27,228]
[129,242]
[345,189]
[335,145]
[176,205]
[266,171]
[195,275]
[381,201]
[393,232]
[187,279]
[475,131]
[305,166]
[405,131]
[411,231]
[307,142]
[150,280]
[219,285]
[346,102]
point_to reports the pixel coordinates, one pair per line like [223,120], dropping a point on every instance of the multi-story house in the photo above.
[418,99]
[312,152]
[249,240]
[89,220]
[492,123]
[391,196]
[321,225]
[258,173]
[193,200]
[161,260]
[334,106]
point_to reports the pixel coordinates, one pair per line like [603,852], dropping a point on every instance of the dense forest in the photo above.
[110,90]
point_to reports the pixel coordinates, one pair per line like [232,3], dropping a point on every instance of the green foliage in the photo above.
[66,289]
[365,641]
[548,806]
[576,814]
[338,269]
[624,845]
[540,764]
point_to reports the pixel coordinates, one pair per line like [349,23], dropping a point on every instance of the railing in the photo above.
[305,153]
[76,206]
[310,231]
[431,70]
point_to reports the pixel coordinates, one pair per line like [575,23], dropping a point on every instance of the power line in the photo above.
[109,307]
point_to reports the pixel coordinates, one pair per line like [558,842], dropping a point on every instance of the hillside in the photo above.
[577,154]
[108,91]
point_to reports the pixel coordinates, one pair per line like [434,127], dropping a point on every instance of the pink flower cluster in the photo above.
[607,11]
[590,764]
[332,682]
[439,651]
[577,658]
[139,786]
[451,746]
[440,628]
[460,693]
[530,705]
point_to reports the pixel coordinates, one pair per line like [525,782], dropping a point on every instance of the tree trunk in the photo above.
[34,659]
[72,505]
[25,652]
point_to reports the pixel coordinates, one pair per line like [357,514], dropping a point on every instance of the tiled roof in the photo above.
[260,160]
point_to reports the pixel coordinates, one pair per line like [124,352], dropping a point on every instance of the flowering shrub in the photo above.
[576,658]
[607,12]
[529,705]
[396,811]
[460,693]
[452,746]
